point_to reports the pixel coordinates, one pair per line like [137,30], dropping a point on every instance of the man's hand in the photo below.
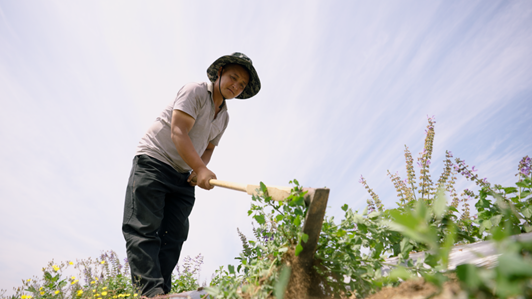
[192,179]
[202,178]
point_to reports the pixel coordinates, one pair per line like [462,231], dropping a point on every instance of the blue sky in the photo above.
[345,85]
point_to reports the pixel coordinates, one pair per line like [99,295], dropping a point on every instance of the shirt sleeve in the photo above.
[188,100]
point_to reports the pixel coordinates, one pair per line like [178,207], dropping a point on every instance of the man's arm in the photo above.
[206,157]
[181,124]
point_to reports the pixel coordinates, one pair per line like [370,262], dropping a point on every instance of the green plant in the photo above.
[104,277]
[351,253]
[187,278]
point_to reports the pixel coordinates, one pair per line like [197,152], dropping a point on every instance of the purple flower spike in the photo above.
[450,153]
[525,170]
[473,169]
[485,180]
[456,167]
[428,162]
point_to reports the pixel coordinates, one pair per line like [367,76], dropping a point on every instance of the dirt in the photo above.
[419,289]
[310,285]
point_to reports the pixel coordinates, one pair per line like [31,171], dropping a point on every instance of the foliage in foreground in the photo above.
[352,251]
[105,277]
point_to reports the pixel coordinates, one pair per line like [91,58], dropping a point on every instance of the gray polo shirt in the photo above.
[195,99]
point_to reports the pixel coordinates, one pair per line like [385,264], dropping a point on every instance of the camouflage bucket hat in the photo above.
[253,86]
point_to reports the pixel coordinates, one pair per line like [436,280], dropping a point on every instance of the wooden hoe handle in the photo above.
[276,193]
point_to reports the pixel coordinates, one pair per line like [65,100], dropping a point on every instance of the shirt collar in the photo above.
[210,88]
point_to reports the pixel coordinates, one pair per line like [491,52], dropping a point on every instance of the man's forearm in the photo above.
[186,150]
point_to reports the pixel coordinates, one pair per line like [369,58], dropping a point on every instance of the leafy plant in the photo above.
[104,277]
[188,277]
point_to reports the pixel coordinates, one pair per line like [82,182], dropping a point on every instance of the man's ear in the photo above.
[220,71]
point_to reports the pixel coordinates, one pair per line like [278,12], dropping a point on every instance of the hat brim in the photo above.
[253,86]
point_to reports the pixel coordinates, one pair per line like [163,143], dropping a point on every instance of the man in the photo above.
[170,160]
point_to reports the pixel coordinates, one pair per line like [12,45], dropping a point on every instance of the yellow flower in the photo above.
[135,295]
[73,277]
[56,292]
[96,295]
[104,288]
[74,281]
[71,263]
[94,291]
[26,296]
[115,297]
[104,293]
[96,278]
[42,293]
[28,280]
[55,268]
[102,262]
[80,292]
[40,289]
[93,282]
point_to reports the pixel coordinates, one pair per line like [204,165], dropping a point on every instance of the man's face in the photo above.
[234,80]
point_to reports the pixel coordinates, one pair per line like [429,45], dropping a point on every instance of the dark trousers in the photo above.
[158,203]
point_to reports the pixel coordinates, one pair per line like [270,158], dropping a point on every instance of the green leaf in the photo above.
[345,207]
[421,209]
[47,275]
[283,249]
[363,228]
[279,218]
[439,205]
[405,220]
[406,247]
[486,224]
[498,234]
[263,188]
[510,190]
[432,260]
[469,275]
[260,219]
[523,185]
[527,211]
[304,237]
[297,221]
[400,272]
[282,282]
[373,215]
[513,265]
[495,220]
[299,248]
[61,284]
[231,269]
